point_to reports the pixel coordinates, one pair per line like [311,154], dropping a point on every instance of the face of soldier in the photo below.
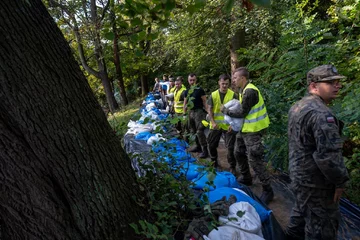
[327,90]
[238,80]
[192,80]
[223,85]
[178,84]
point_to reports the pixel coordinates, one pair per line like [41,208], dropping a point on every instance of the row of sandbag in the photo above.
[173,151]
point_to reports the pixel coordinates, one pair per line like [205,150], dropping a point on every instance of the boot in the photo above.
[267,194]
[204,153]
[246,180]
[215,162]
[195,149]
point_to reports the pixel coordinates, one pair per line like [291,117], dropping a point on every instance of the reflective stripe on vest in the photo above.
[257,119]
[218,115]
[178,105]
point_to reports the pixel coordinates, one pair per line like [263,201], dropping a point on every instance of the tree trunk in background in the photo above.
[119,75]
[237,42]
[99,55]
[144,85]
[63,172]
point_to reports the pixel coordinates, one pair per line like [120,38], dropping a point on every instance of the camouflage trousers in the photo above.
[180,126]
[213,140]
[250,150]
[315,215]
[195,126]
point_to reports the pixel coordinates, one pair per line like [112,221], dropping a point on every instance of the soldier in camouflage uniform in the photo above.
[316,165]
[248,146]
[196,99]
[218,126]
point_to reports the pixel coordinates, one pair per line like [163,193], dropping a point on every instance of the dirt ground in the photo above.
[283,199]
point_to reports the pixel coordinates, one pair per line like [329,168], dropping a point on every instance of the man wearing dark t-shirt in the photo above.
[194,106]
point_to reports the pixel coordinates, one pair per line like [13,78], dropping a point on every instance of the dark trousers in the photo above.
[213,140]
[195,126]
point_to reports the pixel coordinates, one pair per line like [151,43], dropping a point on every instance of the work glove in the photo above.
[221,207]
[197,229]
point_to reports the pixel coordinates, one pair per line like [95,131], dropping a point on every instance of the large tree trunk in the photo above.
[63,173]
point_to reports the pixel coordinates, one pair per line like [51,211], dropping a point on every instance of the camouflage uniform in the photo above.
[196,115]
[249,149]
[316,168]
[196,127]
[248,146]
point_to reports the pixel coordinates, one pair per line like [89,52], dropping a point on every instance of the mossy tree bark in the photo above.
[63,173]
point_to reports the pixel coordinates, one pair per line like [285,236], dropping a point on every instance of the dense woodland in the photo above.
[132,42]
[120,47]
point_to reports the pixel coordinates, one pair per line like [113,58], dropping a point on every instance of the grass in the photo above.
[119,120]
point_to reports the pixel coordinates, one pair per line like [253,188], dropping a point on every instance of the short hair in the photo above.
[192,75]
[243,72]
[179,78]
[224,77]
[165,75]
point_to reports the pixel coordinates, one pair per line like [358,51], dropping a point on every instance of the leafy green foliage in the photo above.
[168,194]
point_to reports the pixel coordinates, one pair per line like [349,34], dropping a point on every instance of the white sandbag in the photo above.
[155,138]
[135,127]
[246,227]
[150,106]
[170,97]
[235,123]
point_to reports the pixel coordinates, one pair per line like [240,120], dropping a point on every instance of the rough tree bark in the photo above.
[63,173]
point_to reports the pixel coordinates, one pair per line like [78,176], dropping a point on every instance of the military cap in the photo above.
[323,73]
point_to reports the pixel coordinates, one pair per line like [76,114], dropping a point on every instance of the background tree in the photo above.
[83,19]
[63,173]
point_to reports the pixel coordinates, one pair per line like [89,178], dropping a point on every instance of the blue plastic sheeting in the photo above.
[191,170]
[218,193]
[176,157]
[350,220]
[172,144]
[144,136]
[222,179]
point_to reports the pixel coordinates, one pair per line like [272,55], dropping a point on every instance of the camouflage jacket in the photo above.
[315,145]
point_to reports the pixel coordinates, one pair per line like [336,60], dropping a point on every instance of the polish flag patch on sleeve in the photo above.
[330,119]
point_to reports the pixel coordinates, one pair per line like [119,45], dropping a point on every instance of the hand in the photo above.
[230,129]
[222,107]
[214,125]
[221,207]
[197,229]
[337,195]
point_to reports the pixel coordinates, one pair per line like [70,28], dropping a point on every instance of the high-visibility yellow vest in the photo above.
[218,115]
[179,105]
[257,119]
[172,90]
